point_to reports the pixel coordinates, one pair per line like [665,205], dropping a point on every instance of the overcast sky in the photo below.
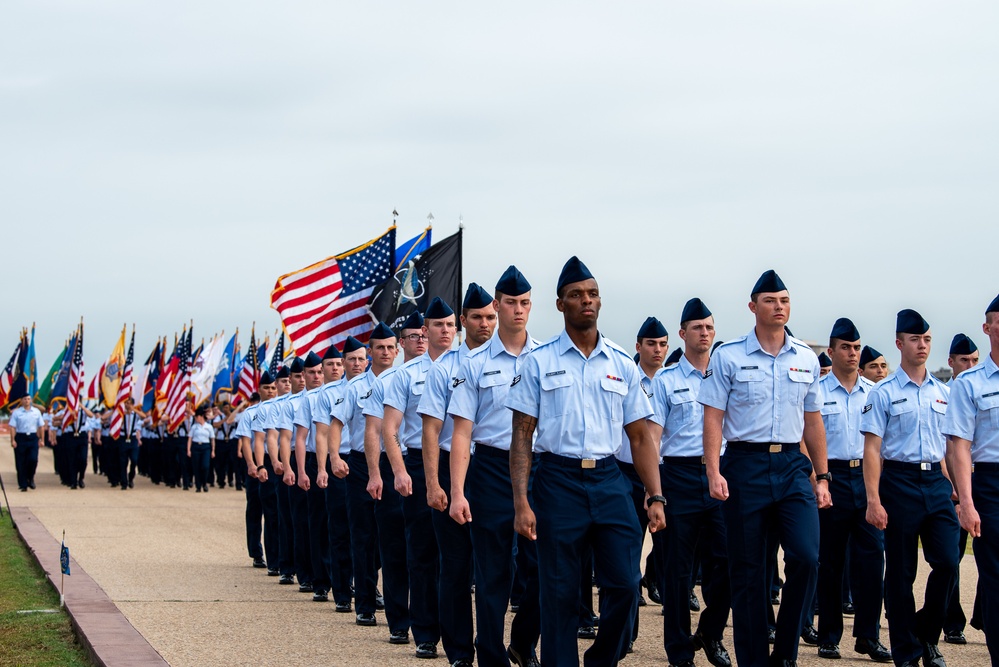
[167,161]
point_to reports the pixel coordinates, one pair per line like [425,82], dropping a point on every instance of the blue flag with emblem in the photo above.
[224,379]
[412,248]
[64,557]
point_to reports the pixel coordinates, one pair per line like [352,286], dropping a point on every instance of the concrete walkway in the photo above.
[175,564]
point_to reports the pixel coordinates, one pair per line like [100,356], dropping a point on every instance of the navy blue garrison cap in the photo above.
[380,332]
[312,360]
[694,310]
[513,282]
[297,365]
[414,321]
[910,322]
[266,378]
[768,282]
[652,328]
[476,297]
[844,329]
[437,310]
[332,353]
[574,271]
[674,357]
[282,372]
[352,344]
[993,307]
[824,360]
[869,354]
[962,345]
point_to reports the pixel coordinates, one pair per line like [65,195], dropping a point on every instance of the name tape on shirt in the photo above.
[487,374]
[901,400]
[991,394]
[548,375]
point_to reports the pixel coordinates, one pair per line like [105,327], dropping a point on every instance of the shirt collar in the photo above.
[496,346]
[753,344]
[858,385]
[990,366]
[687,367]
[565,344]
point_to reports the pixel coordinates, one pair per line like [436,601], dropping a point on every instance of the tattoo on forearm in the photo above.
[520,451]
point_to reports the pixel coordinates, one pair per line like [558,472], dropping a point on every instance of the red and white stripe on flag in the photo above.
[313,312]
[94,386]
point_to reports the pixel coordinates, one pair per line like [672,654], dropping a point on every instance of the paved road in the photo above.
[175,564]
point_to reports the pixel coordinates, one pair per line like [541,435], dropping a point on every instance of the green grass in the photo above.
[31,639]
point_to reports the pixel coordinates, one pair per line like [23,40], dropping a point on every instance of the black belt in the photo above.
[985,466]
[840,464]
[764,447]
[570,462]
[905,465]
[490,451]
[684,460]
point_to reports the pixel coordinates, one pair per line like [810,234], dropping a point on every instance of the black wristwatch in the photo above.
[658,499]
[827,476]
[259,468]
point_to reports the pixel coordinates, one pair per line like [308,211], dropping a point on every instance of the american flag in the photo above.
[124,391]
[324,303]
[277,358]
[75,375]
[249,376]
[181,385]
[7,378]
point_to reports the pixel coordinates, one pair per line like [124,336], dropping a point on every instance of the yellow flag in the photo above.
[112,372]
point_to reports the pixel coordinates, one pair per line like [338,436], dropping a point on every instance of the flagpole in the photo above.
[62,576]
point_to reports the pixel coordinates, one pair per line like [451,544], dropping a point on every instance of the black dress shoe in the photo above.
[849,609]
[810,636]
[514,608]
[778,662]
[771,635]
[932,656]
[426,650]
[287,580]
[399,637]
[641,600]
[379,600]
[522,659]
[955,637]
[320,596]
[684,663]
[586,632]
[695,604]
[73,486]
[23,489]
[714,651]
[654,594]
[775,599]
[829,651]
[366,619]
[463,662]
[273,572]
[31,483]
[304,588]
[82,484]
[343,607]
[259,563]
[873,649]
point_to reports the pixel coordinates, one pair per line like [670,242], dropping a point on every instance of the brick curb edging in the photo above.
[105,633]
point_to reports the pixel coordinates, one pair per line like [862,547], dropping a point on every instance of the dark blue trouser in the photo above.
[843,528]
[128,458]
[338,528]
[455,590]
[111,463]
[319,535]
[919,507]
[490,499]
[638,500]
[254,517]
[985,492]
[268,494]
[422,555]
[300,526]
[391,523]
[576,508]
[95,456]
[769,490]
[77,457]
[223,462]
[363,537]
[286,527]
[694,522]
[201,460]
[25,458]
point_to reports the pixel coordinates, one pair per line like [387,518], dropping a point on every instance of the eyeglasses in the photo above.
[416,337]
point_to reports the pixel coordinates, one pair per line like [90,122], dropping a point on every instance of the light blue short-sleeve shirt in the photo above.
[349,411]
[331,394]
[441,382]
[305,408]
[374,405]
[403,392]
[764,397]
[841,412]
[907,417]
[973,411]
[581,403]
[624,452]
[676,409]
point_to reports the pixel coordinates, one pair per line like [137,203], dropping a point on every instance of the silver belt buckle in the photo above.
[926,466]
[588,464]
[703,460]
[776,449]
[855,463]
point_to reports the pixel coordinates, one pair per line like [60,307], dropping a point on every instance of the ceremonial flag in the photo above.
[277,357]
[437,272]
[44,394]
[181,384]
[223,378]
[412,248]
[76,374]
[124,390]
[206,367]
[94,392]
[150,374]
[19,380]
[324,303]
[249,375]
[111,375]
[9,371]
[31,365]
[64,557]
[59,393]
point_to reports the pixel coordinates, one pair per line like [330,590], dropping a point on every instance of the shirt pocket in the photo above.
[748,386]
[555,394]
[798,387]
[988,406]
[613,393]
[833,417]
[683,407]
[417,389]
[491,381]
[903,418]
